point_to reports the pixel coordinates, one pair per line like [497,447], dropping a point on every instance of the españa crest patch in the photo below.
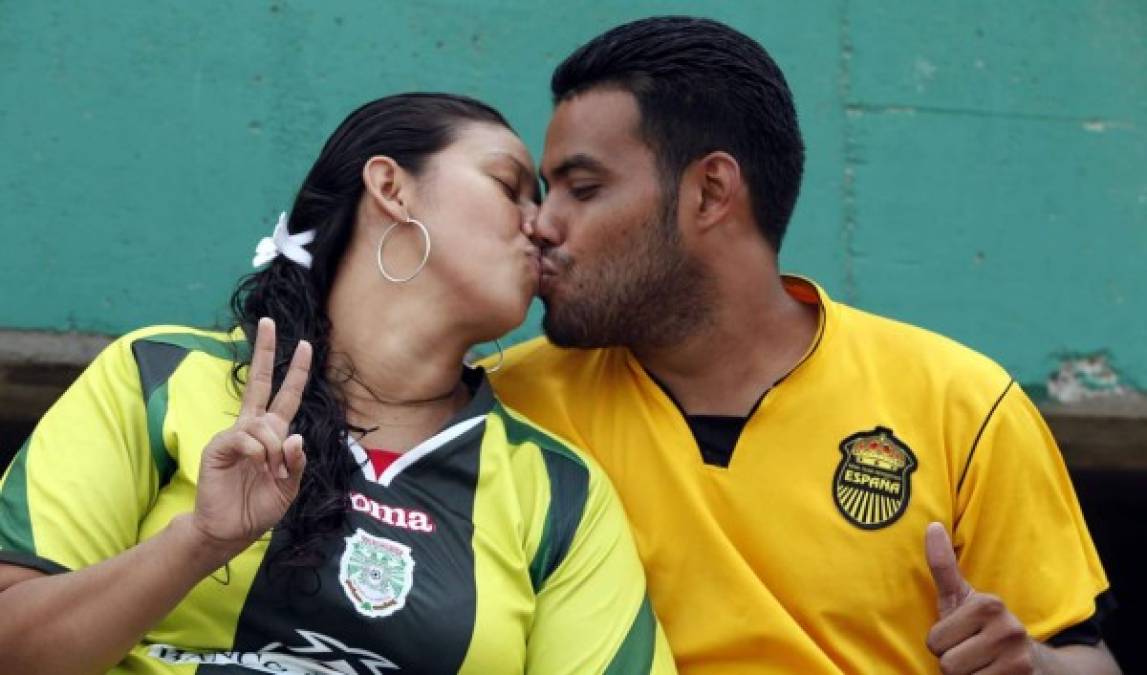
[873,480]
[376,574]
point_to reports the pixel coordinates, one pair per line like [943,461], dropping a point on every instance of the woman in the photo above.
[326,488]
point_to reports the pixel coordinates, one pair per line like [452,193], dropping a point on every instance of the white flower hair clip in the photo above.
[282,242]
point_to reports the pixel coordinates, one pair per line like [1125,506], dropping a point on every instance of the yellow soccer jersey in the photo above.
[805,553]
[490,548]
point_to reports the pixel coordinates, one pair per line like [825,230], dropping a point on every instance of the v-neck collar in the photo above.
[468,418]
[801,288]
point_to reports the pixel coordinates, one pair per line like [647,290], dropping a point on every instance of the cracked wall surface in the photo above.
[997,155]
[977,168]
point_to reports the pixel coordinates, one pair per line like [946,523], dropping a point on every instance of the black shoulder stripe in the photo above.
[569,491]
[980,433]
[156,362]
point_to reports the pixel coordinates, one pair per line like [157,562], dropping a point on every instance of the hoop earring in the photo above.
[382,242]
[498,365]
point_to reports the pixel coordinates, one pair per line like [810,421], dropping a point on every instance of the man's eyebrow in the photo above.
[572,163]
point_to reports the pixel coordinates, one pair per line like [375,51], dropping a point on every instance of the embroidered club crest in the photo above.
[872,483]
[376,574]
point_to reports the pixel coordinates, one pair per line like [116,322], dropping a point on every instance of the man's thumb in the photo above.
[951,589]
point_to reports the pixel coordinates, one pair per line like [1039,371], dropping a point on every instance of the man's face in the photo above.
[613,269]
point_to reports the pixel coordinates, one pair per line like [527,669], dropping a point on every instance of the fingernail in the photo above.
[283,473]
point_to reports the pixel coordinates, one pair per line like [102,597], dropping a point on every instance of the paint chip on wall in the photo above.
[1082,378]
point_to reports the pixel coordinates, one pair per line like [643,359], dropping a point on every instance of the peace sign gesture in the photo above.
[249,474]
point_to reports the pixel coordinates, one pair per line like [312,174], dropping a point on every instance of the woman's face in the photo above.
[474,197]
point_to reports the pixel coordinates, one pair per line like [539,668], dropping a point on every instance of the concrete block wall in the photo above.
[978,168]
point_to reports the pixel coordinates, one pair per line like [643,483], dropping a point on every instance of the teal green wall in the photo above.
[979,168]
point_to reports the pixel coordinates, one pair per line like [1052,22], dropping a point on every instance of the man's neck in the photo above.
[757,334]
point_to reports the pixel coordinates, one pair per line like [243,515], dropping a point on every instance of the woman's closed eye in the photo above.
[510,188]
[584,192]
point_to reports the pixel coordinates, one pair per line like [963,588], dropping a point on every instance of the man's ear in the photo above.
[710,190]
[383,185]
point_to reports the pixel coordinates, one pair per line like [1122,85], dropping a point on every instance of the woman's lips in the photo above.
[534,260]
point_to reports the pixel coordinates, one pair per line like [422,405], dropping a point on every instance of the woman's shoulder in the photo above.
[521,430]
[566,466]
[217,342]
[211,340]
[153,352]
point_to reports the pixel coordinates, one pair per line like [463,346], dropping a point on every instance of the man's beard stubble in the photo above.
[649,294]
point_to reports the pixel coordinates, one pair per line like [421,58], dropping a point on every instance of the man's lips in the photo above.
[549,273]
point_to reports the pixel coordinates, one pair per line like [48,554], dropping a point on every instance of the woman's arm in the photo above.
[593,614]
[85,621]
[248,476]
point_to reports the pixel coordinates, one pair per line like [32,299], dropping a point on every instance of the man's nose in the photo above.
[529,220]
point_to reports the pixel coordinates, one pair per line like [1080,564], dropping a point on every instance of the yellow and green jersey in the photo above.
[798,547]
[491,547]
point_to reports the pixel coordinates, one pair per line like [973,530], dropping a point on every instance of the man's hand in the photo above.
[975,633]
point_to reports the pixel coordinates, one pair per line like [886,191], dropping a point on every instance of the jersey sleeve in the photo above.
[593,614]
[1019,532]
[75,493]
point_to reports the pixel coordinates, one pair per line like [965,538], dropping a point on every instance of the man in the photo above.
[780,455]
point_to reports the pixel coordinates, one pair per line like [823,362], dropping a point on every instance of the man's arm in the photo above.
[976,633]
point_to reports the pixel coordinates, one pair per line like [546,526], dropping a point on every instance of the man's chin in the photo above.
[555,330]
[565,333]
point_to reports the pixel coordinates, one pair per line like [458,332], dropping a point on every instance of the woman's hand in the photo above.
[250,473]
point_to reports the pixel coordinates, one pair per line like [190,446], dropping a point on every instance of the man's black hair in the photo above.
[701,87]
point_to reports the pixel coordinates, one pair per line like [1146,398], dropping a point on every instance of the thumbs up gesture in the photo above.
[975,632]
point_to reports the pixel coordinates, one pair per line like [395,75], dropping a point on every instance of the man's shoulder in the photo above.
[540,350]
[560,388]
[914,351]
[541,363]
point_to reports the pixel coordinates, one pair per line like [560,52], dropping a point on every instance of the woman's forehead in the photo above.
[487,140]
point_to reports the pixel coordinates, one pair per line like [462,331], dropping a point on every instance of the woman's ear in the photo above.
[383,181]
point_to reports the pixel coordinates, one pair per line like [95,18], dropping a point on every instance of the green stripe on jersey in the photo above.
[15,520]
[158,356]
[156,414]
[156,362]
[519,431]
[635,655]
[569,490]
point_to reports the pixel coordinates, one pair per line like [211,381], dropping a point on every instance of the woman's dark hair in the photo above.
[408,128]
[701,86]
